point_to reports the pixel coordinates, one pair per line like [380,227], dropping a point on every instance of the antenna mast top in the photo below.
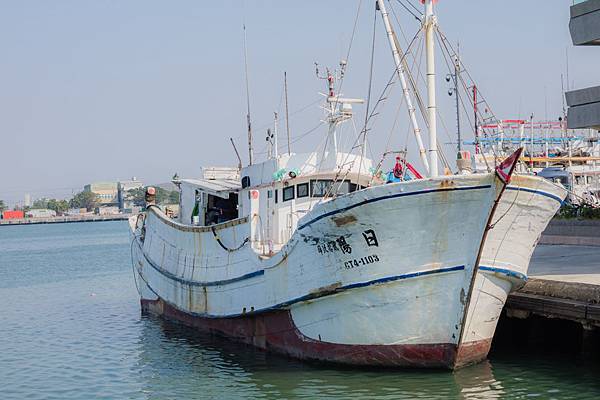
[247,100]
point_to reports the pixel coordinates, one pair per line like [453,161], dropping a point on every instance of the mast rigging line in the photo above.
[390,82]
[415,62]
[449,50]
[417,17]
[339,89]
[364,132]
[381,98]
[247,99]
[414,84]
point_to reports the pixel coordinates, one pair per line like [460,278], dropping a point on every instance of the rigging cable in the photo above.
[417,17]
[364,132]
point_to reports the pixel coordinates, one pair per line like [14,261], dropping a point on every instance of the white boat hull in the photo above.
[361,281]
[526,208]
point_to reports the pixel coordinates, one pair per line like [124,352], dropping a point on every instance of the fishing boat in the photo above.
[319,257]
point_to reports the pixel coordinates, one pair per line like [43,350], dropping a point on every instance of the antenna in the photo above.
[567,57]
[275,134]
[287,115]
[247,100]
[237,154]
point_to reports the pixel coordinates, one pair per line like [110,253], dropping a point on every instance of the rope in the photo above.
[218,239]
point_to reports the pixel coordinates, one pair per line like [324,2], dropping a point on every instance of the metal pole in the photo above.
[275,134]
[248,100]
[531,144]
[430,22]
[475,119]
[456,75]
[287,115]
[405,90]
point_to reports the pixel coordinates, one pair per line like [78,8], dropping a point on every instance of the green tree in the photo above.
[87,200]
[2,205]
[174,197]
[40,203]
[60,206]
[163,196]
[137,196]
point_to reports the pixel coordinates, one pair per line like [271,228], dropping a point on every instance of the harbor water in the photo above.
[71,328]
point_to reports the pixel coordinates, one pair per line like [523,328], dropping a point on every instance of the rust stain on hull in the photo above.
[344,220]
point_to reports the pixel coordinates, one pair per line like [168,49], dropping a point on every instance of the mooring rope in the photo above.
[218,239]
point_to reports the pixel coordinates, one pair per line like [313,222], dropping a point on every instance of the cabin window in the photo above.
[269,194]
[220,210]
[288,193]
[589,180]
[302,190]
[320,188]
[344,187]
[276,196]
[245,182]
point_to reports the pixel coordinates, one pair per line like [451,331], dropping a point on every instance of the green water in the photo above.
[70,328]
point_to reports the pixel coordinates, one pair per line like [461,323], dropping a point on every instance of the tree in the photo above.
[87,200]
[137,196]
[174,197]
[40,203]
[60,206]
[2,205]
[163,196]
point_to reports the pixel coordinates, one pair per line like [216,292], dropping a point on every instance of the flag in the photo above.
[506,167]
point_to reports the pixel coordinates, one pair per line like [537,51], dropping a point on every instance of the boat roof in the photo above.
[217,187]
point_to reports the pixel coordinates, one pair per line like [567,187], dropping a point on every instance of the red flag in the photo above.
[506,167]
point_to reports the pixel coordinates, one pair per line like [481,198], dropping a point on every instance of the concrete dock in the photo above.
[564,283]
[559,305]
[64,219]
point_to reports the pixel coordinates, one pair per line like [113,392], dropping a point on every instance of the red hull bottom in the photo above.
[275,331]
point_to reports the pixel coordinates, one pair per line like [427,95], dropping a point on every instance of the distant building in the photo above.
[124,199]
[13,214]
[584,104]
[107,193]
[27,200]
[40,213]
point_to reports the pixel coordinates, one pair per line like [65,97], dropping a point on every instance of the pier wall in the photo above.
[572,232]
[552,316]
[64,219]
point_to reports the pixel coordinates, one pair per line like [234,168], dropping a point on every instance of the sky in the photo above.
[107,90]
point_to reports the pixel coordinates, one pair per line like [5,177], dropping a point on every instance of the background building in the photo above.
[124,199]
[584,104]
[106,192]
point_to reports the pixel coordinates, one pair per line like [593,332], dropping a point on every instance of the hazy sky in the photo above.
[106,90]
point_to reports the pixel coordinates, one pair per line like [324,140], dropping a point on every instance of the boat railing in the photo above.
[195,228]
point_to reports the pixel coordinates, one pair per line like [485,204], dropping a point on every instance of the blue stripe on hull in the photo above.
[199,283]
[546,194]
[391,196]
[504,271]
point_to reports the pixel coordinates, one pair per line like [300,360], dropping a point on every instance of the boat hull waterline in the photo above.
[361,281]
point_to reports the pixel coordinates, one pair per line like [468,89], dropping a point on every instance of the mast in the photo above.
[248,100]
[275,133]
[430,22]
[237,154]
[456,79]
[287,115]
[401,74]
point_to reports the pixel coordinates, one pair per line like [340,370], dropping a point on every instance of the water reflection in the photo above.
[175,361]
